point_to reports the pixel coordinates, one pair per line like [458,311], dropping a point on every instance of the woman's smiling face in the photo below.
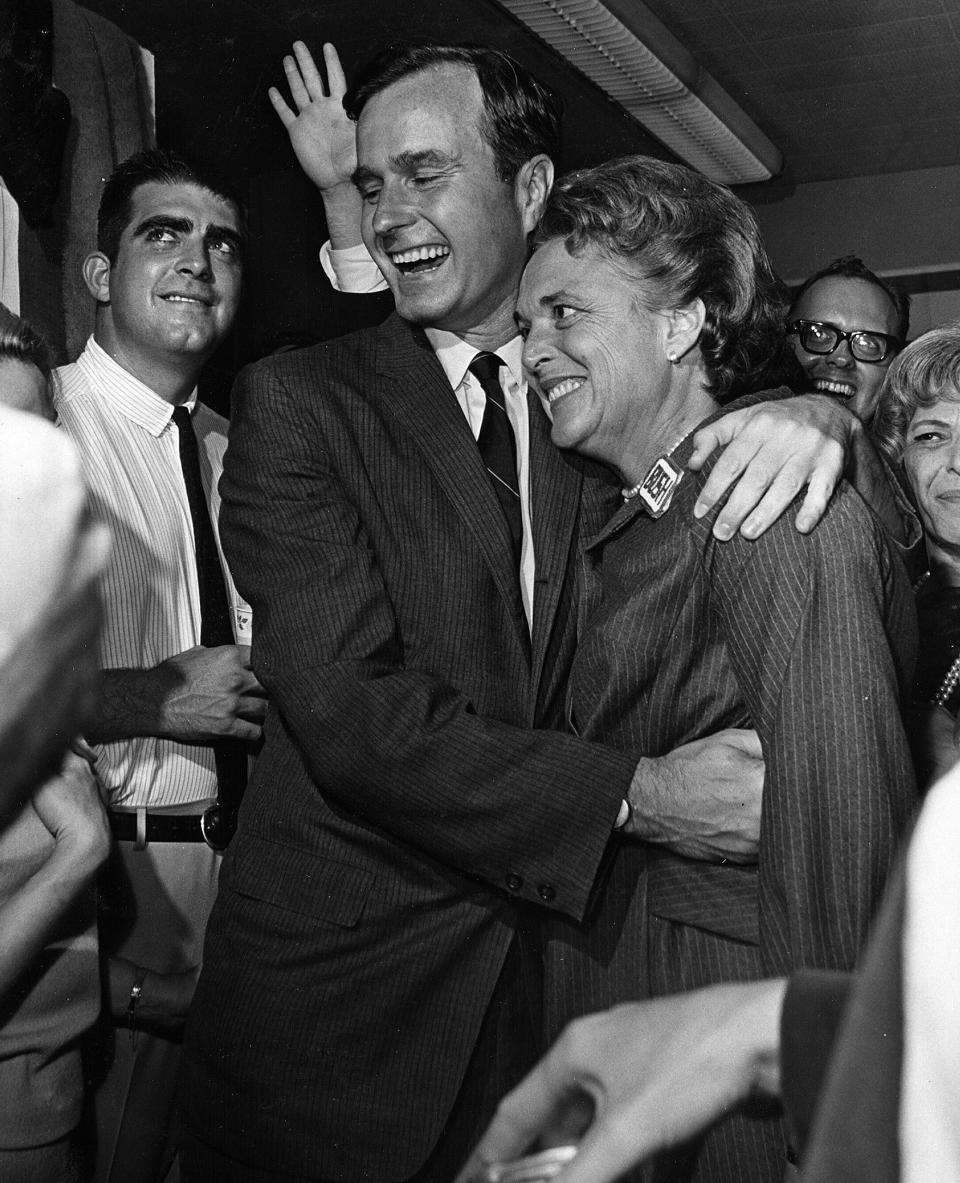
[931,460]
[592,351]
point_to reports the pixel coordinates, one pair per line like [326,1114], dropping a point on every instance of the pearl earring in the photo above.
[672,358]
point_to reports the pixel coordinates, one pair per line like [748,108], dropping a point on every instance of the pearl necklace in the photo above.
[952,678]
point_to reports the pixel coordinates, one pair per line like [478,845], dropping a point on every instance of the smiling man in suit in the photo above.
[407,537]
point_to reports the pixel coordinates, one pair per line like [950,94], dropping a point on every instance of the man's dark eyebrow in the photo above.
[163,222]
[226,233]
[553,298]
[408,162]
[185,225]
[362,176]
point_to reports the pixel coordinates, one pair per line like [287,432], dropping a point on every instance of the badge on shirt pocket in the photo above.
[242,622]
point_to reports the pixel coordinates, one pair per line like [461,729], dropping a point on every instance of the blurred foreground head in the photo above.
[49,604]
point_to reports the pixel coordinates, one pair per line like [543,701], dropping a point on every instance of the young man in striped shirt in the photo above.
[166,278]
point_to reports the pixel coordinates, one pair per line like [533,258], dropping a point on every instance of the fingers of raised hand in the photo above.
[335,75]
[279,104]
[298,89]
[308,72]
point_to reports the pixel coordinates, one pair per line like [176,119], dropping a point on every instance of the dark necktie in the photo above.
[498,448]
[230,754]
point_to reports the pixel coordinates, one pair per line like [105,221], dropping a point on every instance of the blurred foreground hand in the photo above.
[639,1078]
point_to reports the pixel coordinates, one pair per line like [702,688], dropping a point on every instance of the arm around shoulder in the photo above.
[771,451]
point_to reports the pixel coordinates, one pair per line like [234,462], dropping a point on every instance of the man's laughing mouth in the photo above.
[187,298]
[835,387]
[419,259]
[557,388]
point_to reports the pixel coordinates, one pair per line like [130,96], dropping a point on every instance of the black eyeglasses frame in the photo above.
[891,344]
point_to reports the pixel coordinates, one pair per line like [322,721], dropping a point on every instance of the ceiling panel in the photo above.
[872,47]
[717,31]
[824,16]
[216,59]
[841,86]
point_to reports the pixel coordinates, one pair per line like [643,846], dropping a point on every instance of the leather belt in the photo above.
[212,827]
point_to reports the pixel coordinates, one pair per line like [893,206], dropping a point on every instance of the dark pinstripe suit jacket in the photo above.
[403,806]
[809,639]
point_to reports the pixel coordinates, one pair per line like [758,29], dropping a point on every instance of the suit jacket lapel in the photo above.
[555,488]
[416,392]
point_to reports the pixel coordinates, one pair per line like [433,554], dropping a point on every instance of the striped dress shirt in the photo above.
[129,449]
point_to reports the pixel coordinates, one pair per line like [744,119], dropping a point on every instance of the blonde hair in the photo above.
[927,371]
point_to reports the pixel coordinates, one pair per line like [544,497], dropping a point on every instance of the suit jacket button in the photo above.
[514,882]
[547,892]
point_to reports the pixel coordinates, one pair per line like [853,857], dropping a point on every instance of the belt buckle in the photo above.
[217,827]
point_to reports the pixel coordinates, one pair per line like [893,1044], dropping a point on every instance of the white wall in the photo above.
[928,309]
[899,223]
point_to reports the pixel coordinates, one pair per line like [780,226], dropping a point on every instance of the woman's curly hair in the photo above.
[680,236]
[927,371]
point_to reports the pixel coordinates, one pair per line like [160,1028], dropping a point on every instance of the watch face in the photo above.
[534,1168]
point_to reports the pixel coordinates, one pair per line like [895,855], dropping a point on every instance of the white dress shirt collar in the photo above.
[455,355]
[129,396]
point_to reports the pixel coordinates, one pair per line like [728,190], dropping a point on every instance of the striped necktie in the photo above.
[498,448]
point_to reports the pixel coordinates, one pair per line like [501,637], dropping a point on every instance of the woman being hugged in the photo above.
[648,304]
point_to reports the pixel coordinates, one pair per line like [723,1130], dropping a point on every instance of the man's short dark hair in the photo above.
[520,119]
[154,165]
[852,267]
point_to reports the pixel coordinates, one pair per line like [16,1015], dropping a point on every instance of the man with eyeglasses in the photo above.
[846,325]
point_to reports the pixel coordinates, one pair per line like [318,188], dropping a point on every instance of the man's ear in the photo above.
[684,326]
[533,185]
[96,275]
